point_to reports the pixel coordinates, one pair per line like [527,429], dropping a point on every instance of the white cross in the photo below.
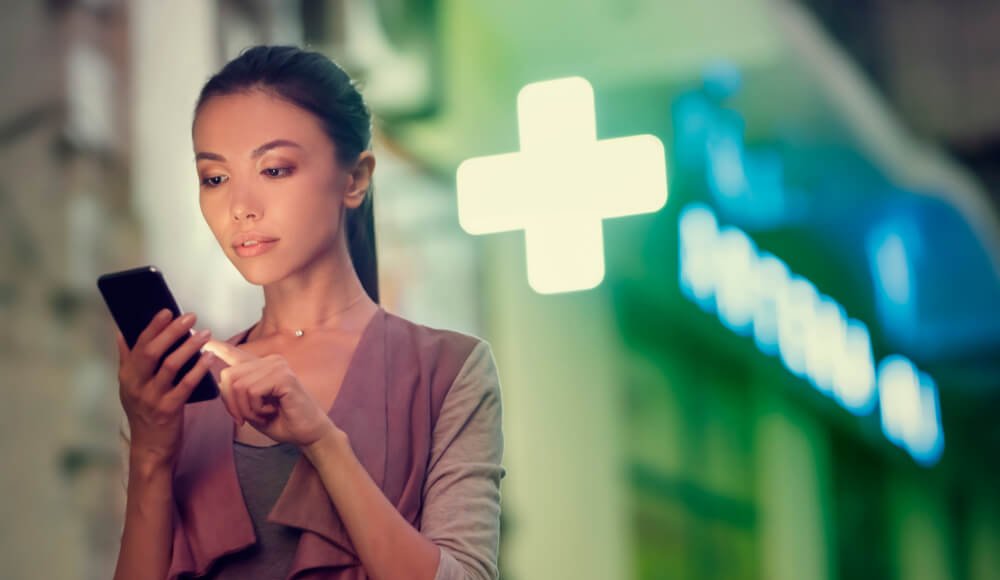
[561,185]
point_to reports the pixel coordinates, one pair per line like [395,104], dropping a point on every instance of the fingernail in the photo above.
[189,317]
[202,334]
[163,314]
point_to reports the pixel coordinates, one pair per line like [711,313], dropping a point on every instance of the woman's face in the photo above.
[268,172]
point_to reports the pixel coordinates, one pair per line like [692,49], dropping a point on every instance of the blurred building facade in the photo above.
[66,212]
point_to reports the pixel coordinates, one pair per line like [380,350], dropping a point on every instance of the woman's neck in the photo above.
[322,298]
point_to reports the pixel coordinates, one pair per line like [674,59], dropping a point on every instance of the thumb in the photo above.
[230,354]
[122,347]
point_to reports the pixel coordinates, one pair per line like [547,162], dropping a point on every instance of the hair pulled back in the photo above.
[315,83]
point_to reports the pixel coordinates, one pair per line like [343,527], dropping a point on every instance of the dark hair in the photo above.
[317,84]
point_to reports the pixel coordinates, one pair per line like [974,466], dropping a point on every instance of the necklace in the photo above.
[300,332]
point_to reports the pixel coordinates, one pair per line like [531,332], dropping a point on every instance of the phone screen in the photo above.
[134,297]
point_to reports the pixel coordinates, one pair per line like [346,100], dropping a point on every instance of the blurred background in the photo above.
[790,371]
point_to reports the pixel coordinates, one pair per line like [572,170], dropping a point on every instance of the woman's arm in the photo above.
[388,546]
[461,503]
[147,538]
[155,412]
[461,497]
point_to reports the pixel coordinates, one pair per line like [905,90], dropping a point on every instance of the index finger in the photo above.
[227,352]
[154,327]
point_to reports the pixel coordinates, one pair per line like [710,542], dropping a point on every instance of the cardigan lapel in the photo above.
[213,519]
[360,410]
[212,514]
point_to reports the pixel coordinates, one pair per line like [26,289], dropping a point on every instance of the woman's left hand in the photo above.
[265,392]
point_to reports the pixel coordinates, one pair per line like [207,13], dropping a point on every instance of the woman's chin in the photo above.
[255,275]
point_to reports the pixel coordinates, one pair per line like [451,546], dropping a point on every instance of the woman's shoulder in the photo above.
[427,339]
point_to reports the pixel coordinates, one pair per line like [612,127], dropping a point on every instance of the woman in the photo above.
[347,442]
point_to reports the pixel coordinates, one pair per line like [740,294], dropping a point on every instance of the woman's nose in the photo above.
[244,207]
[244,215]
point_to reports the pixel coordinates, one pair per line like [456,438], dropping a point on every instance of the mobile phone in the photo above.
[134,297]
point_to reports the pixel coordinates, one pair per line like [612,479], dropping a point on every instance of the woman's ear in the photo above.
[359,180]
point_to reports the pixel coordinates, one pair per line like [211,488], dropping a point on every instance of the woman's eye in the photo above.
[278,171]
[214,181]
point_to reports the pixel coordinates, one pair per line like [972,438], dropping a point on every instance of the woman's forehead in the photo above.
[241,122]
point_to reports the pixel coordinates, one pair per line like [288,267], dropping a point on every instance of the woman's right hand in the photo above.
[154,407]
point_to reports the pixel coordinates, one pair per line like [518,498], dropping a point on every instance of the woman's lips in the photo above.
[255,250]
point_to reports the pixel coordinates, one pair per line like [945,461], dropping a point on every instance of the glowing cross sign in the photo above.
[561,185]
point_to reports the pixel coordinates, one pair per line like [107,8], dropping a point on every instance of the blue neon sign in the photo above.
[934,284]
[755,294]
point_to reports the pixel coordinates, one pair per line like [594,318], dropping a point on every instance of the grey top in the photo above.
[461,511]
[262,472]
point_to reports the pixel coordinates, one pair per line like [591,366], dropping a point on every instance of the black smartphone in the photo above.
[134,297]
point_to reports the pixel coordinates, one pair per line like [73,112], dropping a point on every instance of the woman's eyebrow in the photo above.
[273,145]
[254,154]
[208,156]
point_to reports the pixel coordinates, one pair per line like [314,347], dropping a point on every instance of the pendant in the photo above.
[298,332]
